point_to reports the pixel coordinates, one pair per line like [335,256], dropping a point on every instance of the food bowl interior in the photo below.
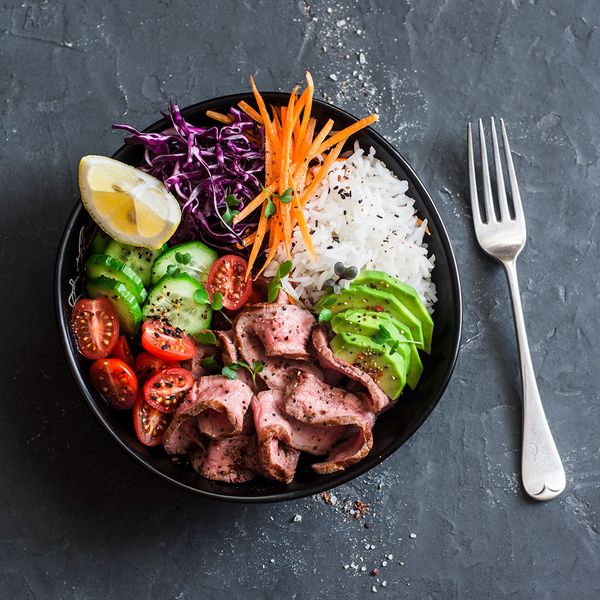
[391,430]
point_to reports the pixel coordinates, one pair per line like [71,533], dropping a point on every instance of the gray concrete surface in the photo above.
[80,520]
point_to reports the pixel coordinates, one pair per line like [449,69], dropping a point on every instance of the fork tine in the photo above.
[487,186]
[502,201]
[473,179]
[514,187]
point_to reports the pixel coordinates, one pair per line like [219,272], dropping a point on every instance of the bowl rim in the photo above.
[371,460]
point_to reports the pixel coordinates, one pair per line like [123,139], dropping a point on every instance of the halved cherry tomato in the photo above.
[150,424]
[166,342]
[167,389]
[122,351]
[96,327]
[115,381]
[147,365]
[228,276]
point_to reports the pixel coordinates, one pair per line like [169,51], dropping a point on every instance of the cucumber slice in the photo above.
[99,242]
[201,259]
[138,258]
[172,299]
[127,307]
[102,264]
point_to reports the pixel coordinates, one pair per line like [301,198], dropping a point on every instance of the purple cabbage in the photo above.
[201,166]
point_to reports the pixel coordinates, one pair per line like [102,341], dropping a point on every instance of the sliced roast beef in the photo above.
[277,372]
[310,400]
[182,436]
[283,329]
[219,404]
[230,460]
[377,399]
[195,364]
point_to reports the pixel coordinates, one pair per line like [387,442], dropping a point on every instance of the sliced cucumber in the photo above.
[102,264]
[172,298]
[138,258]
[99,242]
[195,259]
[127,307]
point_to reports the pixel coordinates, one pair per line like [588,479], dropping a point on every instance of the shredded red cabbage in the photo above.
[201,166]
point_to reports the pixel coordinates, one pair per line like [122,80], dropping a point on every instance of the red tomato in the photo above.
[115,381]
[96,327]
[166,342]
[146,365]
[166,389]
[228,276]
[122,351]
[150,424]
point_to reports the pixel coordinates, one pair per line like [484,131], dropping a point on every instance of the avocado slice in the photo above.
[366,298]
[367,322]
[404,293]
[387,370]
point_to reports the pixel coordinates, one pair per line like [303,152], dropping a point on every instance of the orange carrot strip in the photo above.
[272,250]
[250,112]
[260,234]
[263,111]
[276,122]
[302,224]
[323,170]
[286,150]
[310,88]
[345,133]
[217,116]
[254,204]
[313,150]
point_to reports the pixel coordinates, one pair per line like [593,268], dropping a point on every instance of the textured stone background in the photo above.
[79,520]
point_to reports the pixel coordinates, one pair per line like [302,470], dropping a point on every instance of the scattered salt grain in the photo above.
[384,584]
[272,560]
[362,59]
[374,589]
[329,10]
[363,568]
[358,31]
[333,77]
[333,500]
[341,23]
[413,536]
[390,556]
[346,566]
[297,518]
[384,563]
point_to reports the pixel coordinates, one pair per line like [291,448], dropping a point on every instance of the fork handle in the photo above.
[542,471]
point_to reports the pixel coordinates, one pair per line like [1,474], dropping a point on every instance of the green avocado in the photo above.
[388,370]
[405,294]
[362,297]
[367,322]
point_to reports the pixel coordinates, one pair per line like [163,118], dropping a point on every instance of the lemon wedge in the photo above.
[129,205]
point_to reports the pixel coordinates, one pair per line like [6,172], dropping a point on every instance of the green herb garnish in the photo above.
[325,315]
[217,301]
[382,336]
[270,209]
[231,200]
[173,271]
[275,284]
[285,197]
[210,364]
[207,337]
[229,371]
[201,296]
[183,258]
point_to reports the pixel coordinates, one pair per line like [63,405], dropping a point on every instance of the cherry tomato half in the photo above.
[115,381]
[228,276]
[166,389]
[147,365]
[122,351]
[150,424]
[96,327]
[166,342]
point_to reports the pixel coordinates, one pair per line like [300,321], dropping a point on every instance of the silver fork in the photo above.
[503,238]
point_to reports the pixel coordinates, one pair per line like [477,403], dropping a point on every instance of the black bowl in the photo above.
[391,430]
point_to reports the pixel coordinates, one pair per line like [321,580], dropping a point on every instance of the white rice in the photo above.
[362,217]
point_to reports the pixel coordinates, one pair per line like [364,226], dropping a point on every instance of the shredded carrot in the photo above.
[217,116]
[290,149]
[250,112]
[254,204]
[344,134]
